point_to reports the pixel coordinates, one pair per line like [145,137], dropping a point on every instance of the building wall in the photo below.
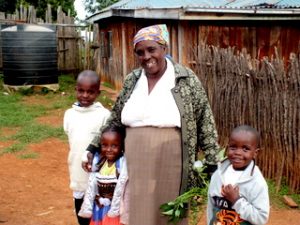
[258,38]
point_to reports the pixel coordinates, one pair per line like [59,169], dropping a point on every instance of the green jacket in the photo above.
[197,122]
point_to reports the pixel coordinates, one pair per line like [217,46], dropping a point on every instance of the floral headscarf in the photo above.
[158,33]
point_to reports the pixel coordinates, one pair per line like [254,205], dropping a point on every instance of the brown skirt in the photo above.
[154,161]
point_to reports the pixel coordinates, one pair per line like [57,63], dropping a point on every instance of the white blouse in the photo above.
[158,108]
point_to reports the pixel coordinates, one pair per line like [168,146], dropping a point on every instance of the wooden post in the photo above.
[88,46]
[180,41]
[124,51]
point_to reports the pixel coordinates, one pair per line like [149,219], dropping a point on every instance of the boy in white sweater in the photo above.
[238,192]
[81,123]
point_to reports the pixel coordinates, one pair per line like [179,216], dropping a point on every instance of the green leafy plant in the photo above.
[177,209]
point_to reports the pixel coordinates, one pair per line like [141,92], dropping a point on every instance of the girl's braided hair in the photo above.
[119,130]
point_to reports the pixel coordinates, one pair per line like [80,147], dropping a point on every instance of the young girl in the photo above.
[98,197]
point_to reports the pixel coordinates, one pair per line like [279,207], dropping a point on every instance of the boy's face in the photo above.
[111,145]
[242,148]
[86,91]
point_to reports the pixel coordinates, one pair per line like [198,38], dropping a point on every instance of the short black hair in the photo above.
[89,74]
[250,129]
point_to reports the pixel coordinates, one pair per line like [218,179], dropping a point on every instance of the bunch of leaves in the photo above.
[177,209]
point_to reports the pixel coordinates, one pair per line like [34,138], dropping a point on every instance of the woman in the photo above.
[168,119]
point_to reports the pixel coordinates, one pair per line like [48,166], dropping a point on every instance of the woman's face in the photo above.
[151,56]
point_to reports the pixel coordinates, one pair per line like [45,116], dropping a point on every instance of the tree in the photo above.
[92,6]
[40,5]
[8,6]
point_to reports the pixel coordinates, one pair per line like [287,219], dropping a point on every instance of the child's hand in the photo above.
[102,201]
[231,193]
[97,197]
[86,166]
[87,160]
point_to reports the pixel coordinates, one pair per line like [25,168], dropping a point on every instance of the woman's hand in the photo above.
[230,192]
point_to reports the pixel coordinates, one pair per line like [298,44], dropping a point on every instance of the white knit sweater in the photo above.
[81,124]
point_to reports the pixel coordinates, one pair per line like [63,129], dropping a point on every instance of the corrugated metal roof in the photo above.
[178,9]
[169,4]
[264,3]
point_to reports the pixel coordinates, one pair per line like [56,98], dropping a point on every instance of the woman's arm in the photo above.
[115,117]
[206,129]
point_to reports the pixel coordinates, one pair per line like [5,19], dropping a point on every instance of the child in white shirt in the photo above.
[81,123]
[238,192]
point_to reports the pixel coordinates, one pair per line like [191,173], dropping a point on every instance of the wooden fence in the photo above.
[264,94]
[72,49]
[71,46]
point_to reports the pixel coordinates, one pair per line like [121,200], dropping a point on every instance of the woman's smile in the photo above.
[151,56]
[151,64]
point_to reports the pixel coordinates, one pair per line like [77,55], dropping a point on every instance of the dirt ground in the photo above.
[36,191]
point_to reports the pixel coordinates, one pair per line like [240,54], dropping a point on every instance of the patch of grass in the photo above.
[17,147]
[106,101]
[15,113]
[63,102]
[31,155]
[33,133]
[109,85]
[26,91]
[66,82]
[277,198]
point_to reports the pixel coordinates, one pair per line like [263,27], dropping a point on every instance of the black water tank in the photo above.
[29,54]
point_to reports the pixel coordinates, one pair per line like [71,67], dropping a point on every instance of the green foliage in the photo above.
[23,3]
[277,197]
[109,85]
[14,148]
[92,6]
[26,91]
[177,209]
[40,5]
[106,101]
[31,155]
[33,133]
[7,6]
[14,113]
[66,82]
